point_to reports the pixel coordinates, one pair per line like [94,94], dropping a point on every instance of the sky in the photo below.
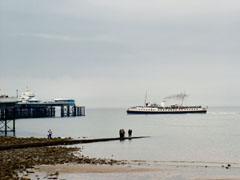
[108,53]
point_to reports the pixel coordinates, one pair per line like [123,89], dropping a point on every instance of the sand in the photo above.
[91,168]
[140,172]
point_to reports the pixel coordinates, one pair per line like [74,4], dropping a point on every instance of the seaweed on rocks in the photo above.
[18,161]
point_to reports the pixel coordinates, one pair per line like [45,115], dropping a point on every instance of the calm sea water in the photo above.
[211,137]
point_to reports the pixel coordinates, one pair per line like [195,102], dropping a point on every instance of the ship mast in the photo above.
[145,101]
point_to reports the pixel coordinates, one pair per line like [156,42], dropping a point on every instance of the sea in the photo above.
[173,139]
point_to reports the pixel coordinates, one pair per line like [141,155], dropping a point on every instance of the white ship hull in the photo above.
[168,110]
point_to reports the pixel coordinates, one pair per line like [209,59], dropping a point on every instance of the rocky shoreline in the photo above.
[15,163]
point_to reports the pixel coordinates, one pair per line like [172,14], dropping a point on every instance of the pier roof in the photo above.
[8,101]
[50,103]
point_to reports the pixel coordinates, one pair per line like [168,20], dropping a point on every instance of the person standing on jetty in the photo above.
[121,133]
[129,133]
[49,134]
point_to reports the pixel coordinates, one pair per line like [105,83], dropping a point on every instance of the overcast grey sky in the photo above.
[106,53]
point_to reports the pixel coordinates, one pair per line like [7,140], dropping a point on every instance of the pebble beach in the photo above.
[15,163]
[68,162]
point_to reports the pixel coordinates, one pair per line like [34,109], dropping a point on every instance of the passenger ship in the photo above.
[149,108]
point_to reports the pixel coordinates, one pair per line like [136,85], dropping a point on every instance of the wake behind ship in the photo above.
[149,108]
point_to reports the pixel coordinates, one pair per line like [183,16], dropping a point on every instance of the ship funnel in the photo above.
[163,104]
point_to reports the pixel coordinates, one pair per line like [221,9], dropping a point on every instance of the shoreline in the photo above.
[61,162]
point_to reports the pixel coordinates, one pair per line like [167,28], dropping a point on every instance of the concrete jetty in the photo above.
[54,142]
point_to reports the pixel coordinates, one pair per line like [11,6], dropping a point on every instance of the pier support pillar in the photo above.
[82,111]
[14,130]
[5,123]
[7,117]
[74,111]
[30,113]
[62,111]
[51,111]
[68,111]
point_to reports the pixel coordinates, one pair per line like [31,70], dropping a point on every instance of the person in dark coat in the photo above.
[121,133]
[129,133]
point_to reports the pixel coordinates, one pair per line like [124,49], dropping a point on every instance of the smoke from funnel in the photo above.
[176,96]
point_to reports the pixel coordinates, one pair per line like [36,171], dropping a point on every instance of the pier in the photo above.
[11,109]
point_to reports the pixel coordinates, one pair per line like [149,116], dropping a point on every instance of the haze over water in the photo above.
[211,137]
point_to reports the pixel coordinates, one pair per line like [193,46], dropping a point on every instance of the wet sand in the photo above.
[91,168]
[141,170]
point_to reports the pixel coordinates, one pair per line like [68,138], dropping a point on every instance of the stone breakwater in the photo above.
[19,143]
[6,141]
[15,163]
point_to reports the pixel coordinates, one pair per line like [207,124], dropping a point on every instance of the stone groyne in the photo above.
[40,142]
